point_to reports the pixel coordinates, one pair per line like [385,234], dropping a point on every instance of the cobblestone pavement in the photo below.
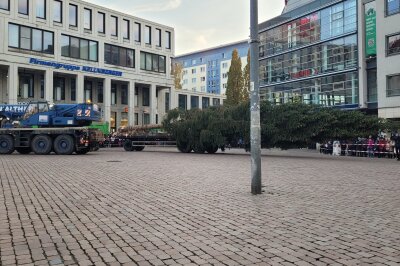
[167,208]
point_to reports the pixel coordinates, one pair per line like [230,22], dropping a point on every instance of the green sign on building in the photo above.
[370,28]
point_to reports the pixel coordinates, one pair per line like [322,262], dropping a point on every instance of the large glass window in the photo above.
[168,40]
[137,32]
[194,102]
[393,86]
[152,62]
[147,35]
[30,39]
[146,96]
[125,29]
[114,26]
[393,44]
[41,9]
[119,56]
[114,94]
[205,101]
[23,7]
[57,11]
[79,48]
[392,7]
[167,101]
[26,86]
[124,94]
[88,89]
[182,101]
[5,4]
[101,22]
[334,90]
[158,37]
[59,89]
[100,93]
[73,90]
[87,19]
[336,55]
[73,15]
[372,86]
[325,24]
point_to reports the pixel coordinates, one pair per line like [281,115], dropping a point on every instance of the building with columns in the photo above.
[71,51]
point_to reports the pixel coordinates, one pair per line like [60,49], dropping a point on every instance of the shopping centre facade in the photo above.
[336,53]
[72,51]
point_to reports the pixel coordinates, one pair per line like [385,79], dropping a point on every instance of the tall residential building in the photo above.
[72,51]
[336,53]
[206,70]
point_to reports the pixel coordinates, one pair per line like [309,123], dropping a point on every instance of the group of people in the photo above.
[381,146]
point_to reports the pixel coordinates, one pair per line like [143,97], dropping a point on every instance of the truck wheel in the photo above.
[6,144]
[212,150]
[23,150]
[41,145]
[64,145]
[128,145]
[184,148]
[83,152]
[139,148]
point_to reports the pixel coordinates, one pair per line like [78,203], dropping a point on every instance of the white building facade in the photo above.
[71,51]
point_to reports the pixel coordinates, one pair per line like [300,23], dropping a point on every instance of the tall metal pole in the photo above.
[255,129]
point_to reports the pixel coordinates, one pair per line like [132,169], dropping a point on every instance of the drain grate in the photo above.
[114,161]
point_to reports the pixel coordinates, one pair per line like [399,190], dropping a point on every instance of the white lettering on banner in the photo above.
[12,108]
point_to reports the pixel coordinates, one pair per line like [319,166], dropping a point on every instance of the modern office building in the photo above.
[310,54]
[206,71]
[72,51]
[337,53]
[388,55]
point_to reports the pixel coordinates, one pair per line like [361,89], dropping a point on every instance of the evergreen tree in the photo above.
[246,79]
[177,74]
[234,90]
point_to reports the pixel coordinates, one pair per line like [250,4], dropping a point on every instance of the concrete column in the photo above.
[153,103]
[131,103]
[107,100]
[172,99]
[188,105]
[13,84]
[80,85]
[48,87]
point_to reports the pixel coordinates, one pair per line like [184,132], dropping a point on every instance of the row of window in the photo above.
[31,39]
[322,25]
[194,102]
[327,57]
[23,8]
[328,91]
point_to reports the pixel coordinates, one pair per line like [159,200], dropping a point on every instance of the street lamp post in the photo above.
[255,129]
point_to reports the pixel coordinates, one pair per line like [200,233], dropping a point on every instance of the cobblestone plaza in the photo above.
[167,208]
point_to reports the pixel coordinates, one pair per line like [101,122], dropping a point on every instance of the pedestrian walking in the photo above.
[370,147]
[396,138]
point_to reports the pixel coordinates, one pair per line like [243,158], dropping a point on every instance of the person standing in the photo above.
[370,147]
[396,138]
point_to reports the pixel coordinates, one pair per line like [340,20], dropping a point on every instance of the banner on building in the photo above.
[370,28]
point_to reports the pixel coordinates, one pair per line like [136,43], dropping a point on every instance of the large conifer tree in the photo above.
[246,79]
[234,90]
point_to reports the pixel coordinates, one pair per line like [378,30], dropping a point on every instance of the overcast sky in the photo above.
[199,24]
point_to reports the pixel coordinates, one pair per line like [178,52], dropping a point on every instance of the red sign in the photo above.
[303,73]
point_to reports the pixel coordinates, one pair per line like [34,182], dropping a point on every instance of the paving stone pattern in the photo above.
[168,208]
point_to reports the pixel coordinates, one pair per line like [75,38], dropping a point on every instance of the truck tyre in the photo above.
[6,144]
[64,145]
[184,148]
[128,145]
[83,152]
[139,148]
[24,150]
[212,150]
[41,145]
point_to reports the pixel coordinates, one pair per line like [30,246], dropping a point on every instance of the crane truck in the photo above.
[41,128]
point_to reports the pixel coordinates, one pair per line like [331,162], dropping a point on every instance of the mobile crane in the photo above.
[42,128]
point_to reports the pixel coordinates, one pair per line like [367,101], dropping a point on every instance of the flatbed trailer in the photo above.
[138,143]
[43,141]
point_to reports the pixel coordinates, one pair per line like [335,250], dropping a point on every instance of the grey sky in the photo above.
[199,24]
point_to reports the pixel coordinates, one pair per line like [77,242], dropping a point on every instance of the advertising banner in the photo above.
[370,29]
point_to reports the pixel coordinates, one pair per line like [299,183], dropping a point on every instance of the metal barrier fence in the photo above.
[362,150]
